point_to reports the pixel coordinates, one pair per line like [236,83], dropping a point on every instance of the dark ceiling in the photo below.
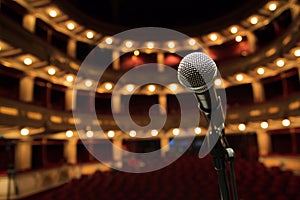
[164,13]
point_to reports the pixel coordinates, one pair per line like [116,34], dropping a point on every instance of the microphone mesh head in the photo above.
[197,72]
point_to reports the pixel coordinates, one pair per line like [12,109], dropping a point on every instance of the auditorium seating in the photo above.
[187,178]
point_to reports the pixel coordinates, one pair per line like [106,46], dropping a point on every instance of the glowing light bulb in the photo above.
[51,71]
[260,71]
[197,130]
[233,30]
[71,26]
[90,35]
[27,61]
[69,133]
[154,132]
[108,86]
[109,40]
[264,125]
[192,42]
[176,131]
[110,134]
[24,131]
[132,133]
[286,122]
[242,127]
[52,13]
[272,7]
[253,20]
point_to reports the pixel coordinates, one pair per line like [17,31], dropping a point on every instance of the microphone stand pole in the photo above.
[218,154]
[221,152]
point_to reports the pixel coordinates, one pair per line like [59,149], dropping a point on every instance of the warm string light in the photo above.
[24,131]
[69,133]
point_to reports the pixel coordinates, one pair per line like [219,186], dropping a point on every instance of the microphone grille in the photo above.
[197,72]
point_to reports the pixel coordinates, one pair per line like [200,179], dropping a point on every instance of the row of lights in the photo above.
[264,125]
[132,133]
[131,87]
[176,131]
[150,45]
[53,13]
[280,62]
[70,25]
[234,29]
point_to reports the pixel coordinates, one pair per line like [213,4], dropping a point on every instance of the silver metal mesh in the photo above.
[197,72]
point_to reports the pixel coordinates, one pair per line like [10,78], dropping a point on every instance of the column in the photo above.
[23,153]
[264,142]
[117,150]
[164,145]
[116,103]
[160,61]
[70,102]
[116,60]
[26,89]
[29,22]
[258,92]
[71,48]
[162,99]
[70,151]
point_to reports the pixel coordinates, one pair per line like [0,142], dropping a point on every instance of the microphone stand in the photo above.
[221,152]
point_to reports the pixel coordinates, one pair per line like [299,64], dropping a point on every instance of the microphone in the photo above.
[197,72]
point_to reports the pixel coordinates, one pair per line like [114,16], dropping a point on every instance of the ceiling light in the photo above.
[111,134]
[136,52]
[297,53]
[242,127]
[253,20]
[213,37]
[128,44]
[88,83]
[233,30]
[286,122]
[260,71]
[71,26]
[154,132]
[24,131]
[69,133]
[109,40]
[108,86]
[151,88]
[176,131]
[132,133]
[90,35]
[27,61]
[272,7]
[197,130]
[129,87]
[51,71]
[239,77]
[52,13]
[238,38]
[218,82]
[192,42]
[280,63]
[70,78]
[171,45]
[150,45]
[89,134]
[264,125]
[173,87]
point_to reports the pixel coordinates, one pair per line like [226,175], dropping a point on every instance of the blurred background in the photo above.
[255,44]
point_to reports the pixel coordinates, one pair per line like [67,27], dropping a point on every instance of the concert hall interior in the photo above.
[48,152]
